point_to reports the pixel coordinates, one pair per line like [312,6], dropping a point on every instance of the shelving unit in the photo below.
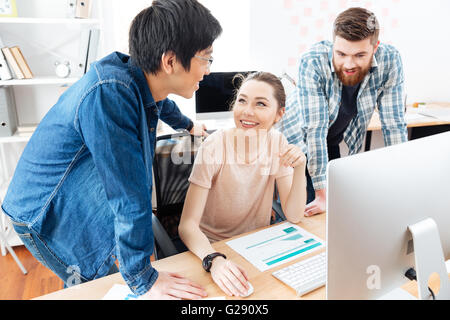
[42,80]
[46,36]
[49,21]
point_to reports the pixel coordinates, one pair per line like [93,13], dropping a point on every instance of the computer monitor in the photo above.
[215,94]
[373,198]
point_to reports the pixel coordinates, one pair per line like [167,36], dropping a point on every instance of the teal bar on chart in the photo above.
[293,254]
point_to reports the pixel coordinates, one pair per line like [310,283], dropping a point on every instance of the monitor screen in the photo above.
[215,94]
[372,199]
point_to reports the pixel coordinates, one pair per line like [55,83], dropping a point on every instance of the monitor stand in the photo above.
[397,294]
[429,259]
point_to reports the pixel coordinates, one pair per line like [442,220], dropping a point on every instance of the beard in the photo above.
[354,79]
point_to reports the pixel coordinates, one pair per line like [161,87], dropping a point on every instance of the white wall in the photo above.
[281,30]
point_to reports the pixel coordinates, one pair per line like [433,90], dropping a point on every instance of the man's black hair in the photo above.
[181,26]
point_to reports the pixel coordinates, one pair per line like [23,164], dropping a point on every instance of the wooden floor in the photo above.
[14,285]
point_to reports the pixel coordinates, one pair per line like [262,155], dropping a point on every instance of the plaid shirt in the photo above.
[313,106]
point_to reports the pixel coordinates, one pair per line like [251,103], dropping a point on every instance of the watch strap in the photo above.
[207,261]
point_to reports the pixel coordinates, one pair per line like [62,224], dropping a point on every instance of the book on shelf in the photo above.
[14,66]
[82,9]
[23,65]
[71,8]
[5,73]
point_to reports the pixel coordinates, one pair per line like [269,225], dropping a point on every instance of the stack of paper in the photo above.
[442,114]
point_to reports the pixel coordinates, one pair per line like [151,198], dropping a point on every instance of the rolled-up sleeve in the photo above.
[315,114]
[391,105]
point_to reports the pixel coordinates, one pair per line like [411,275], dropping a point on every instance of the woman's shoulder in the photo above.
[214,138]
[214,144]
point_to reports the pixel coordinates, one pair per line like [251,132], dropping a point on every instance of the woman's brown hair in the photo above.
[267,77]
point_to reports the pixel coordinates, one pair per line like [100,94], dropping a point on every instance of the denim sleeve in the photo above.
[108,120]
[171,114]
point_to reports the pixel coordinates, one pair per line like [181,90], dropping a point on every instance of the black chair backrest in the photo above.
[172,166]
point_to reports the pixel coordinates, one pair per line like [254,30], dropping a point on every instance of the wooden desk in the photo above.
[266,286]
[375,123]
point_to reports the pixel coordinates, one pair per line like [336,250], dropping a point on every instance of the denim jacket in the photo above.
[84,180]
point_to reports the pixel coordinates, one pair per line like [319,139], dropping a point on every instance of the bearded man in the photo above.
[339,86]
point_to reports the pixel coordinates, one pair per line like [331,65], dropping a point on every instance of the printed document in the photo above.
[276,245]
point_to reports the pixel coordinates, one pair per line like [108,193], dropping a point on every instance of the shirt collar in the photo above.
[141,80]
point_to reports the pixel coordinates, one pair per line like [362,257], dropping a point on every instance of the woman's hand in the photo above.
[293,157]
[230,277]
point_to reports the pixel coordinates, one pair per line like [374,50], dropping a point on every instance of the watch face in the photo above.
[206,263]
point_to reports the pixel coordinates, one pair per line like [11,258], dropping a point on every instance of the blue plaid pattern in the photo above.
[313,106]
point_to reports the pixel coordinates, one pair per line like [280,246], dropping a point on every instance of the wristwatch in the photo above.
[190,126]
[207,261]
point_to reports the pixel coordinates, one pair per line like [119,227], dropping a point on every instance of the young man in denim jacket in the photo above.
[80,197]
[340,85]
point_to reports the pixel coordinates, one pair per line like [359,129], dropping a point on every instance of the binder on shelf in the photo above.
[5,73]
[8,113]
[71,8]
[94,36]
[80,67]
[14,66]
[23,65]
[82,9]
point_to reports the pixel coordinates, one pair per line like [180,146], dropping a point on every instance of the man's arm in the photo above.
[112,139]
[171,114]
[391,105]
[109,128]
[314,111]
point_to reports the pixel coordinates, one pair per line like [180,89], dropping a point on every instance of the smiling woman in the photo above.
[233,179]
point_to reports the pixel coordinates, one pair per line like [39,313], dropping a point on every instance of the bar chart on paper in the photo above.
[274,246]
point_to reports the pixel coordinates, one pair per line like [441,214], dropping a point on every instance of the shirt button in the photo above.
[152,129]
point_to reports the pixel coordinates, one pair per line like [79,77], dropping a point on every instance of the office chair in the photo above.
[172,166]
[276,207]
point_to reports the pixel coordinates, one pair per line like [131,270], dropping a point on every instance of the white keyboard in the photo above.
[306,275]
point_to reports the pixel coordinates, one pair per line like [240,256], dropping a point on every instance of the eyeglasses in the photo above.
[210,60]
